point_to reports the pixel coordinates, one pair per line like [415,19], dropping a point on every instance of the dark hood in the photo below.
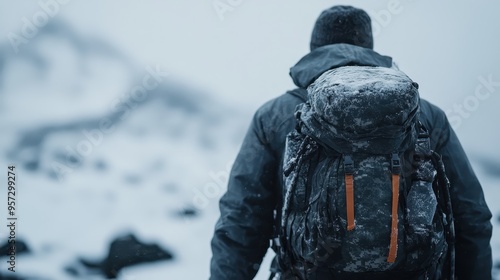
[322,59]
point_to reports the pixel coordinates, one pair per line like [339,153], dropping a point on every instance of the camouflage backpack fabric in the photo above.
[365,196]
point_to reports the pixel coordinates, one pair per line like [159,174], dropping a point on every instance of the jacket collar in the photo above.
[322,59]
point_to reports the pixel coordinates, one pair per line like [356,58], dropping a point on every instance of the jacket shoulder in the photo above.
[280,107]
[275,118]
[431,111]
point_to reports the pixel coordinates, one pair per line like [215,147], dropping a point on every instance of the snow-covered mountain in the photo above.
[98,157]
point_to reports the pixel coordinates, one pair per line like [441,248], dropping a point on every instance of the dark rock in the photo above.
[12,277]
[21,248]
[31,165]
[126,251]
[187,212]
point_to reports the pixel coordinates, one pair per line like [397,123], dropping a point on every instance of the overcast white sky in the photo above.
[443,45]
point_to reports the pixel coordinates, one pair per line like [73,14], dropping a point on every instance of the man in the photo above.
[251,207]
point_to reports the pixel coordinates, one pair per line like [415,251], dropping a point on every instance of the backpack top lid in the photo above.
[363,109]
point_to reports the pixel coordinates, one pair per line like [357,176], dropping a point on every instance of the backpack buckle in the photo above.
[395,164]
[348,165]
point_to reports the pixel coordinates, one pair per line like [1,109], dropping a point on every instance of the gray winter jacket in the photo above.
[252,202]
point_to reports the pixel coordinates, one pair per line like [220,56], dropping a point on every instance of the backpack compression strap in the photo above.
[349,190]
[349,193]
[396,170]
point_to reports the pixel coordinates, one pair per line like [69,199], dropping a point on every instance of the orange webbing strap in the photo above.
[349,198]
[393,247]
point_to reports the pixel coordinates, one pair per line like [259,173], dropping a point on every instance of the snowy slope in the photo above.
[140,177]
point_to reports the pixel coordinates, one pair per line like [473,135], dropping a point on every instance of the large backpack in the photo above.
[365,196]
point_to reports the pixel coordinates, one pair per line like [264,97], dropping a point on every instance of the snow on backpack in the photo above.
[365,196]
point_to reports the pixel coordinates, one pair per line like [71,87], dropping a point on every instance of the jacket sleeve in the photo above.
[472,216]
[242,233]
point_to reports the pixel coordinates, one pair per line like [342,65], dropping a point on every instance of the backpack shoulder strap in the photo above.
[443,186]
[423,146]
[442,189]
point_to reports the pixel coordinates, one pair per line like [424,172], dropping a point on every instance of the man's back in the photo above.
[252,203]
